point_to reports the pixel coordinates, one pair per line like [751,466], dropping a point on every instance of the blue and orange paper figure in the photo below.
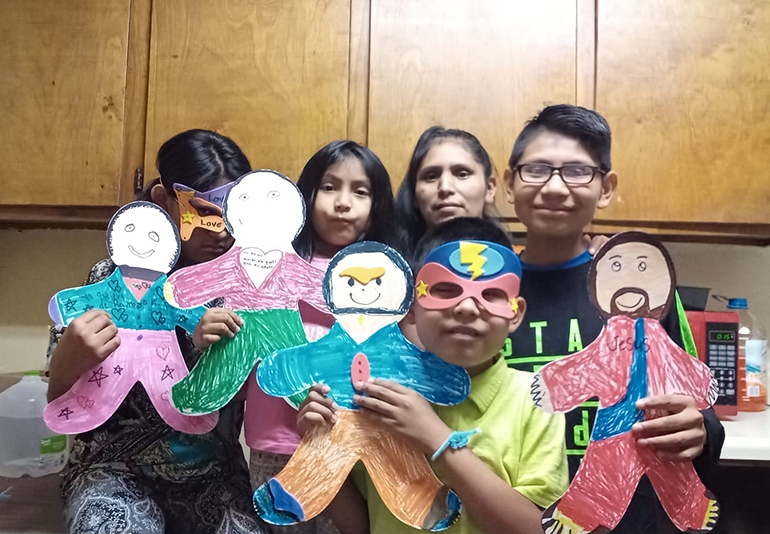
[144,244]
[632,285]
[369,288]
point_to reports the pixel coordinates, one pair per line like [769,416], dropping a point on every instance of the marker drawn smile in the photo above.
[142,255]
[365,303]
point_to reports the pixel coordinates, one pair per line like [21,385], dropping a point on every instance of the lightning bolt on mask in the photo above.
[200,209]
[486,272]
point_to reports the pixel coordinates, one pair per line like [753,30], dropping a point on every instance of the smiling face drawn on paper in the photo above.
[368,278]
[632,275]
[264,209]
[142,235]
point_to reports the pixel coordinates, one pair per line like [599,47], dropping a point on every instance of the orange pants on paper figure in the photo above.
[323,460]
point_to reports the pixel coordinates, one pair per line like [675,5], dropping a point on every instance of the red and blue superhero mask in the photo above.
[487,272]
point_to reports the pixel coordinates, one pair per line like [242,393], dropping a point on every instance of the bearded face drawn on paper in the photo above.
[632,275]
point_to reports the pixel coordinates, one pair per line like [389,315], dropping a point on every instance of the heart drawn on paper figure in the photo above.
[85,402]
[114,285]
[158,318]
[162,352]
[258,264]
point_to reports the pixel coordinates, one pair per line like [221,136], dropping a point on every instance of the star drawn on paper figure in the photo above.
[182,319]
[66,412]
[168,372]
[187,217]
[422,289]
[117,370]
[88,307]
[69,305]
[97,376]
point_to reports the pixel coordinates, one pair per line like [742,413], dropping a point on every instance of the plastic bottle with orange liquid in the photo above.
[752,359]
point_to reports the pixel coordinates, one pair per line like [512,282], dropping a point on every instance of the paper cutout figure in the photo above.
[200,209]
[632,285]
[368,287]
[144,243]
[261,277]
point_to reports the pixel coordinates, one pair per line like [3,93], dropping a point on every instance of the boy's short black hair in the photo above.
[458,229]
[584,125]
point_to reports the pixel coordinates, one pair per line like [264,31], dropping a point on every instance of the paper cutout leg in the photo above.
[225,366]
[323,460]
[682,494]
[406,483]
[147,356]
[158,378]
[311,478]
[602,488]
[95,396]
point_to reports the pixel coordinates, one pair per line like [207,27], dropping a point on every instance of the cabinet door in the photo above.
[685,87]
[62,101]
[484,66]
[270,74]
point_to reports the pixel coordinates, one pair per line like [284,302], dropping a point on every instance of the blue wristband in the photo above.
[456,440]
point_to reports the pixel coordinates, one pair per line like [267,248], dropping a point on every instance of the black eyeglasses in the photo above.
[572,174]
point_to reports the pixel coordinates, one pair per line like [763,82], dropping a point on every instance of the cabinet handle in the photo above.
[138,181]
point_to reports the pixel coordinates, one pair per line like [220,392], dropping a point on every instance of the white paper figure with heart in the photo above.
[263,279]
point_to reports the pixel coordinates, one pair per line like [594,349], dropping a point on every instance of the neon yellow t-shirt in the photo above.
[522,444]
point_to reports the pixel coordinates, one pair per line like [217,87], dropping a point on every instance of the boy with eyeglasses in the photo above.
[559,174]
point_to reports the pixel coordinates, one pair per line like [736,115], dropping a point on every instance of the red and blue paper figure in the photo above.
[144,244]
[263,279]
[369,288]
[632,285]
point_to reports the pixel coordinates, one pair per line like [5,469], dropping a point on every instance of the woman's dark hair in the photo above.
[382,225]
[198,159]
[412,223]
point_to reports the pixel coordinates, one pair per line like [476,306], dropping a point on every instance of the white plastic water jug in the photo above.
[27,445]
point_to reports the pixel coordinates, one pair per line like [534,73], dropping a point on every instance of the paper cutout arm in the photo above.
[69,304]
[290,371]
[564,384]
[198,284]
[438,381]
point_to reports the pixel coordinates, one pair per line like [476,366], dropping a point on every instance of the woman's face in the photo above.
[203,245]
[451,183]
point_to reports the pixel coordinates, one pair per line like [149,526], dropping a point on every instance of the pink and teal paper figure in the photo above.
[369,288]
[262,279]
[144,244]
[632,285]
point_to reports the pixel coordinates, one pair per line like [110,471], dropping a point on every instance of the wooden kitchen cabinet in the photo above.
[271,74]
[63,104]
[92,89]
[485,67]
[685,87]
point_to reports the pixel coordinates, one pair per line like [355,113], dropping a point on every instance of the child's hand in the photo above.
[88,340]
[405,411]
[679,434]
[595,243]
[316,409]
[214,324]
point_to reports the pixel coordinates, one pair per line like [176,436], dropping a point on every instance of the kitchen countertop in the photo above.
[747,438]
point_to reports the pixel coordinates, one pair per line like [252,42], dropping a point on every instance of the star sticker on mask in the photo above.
[422,289]
[515,306]
[187,217]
